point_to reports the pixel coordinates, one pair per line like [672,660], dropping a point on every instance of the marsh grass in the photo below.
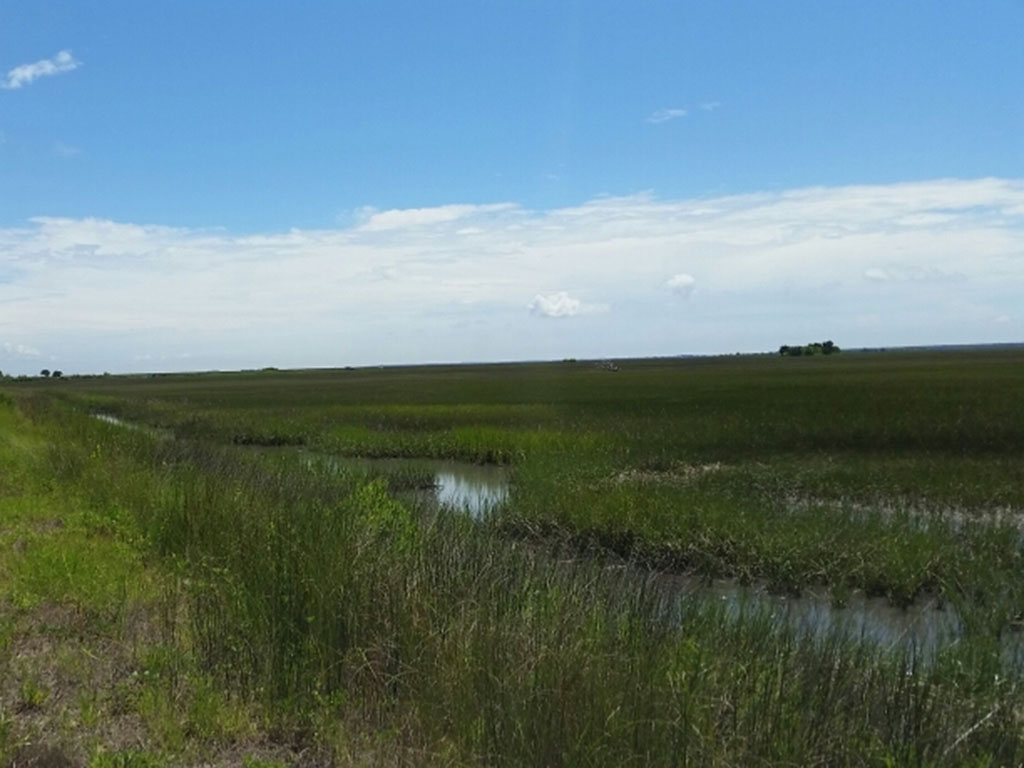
[359,625]
[323,601]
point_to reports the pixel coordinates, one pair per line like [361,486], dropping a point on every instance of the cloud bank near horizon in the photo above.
[924,262]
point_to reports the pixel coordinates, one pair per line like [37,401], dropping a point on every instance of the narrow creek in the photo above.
[480,490]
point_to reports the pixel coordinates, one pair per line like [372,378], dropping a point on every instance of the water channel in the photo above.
[480,490]
[923,624]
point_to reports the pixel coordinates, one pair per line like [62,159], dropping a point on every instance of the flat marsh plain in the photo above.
[197,590]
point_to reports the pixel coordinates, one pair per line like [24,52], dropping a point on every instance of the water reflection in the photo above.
[476,489]
[155,431]
[923,624]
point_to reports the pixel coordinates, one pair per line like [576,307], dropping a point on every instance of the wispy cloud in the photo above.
[18,350]
[665,115]
[876,274]
[912,272]
[25,73]
[926,261]
[65,150]
[373,220]
[710,106]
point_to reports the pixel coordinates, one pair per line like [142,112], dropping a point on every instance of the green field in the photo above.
[215,582]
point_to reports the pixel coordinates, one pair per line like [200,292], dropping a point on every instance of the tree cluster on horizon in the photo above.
[814,348]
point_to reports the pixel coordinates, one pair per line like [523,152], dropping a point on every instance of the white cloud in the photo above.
[665,115]
[560,304]
[24,74]
[710,106]
[682,284]
[378,221]
[18,350]
[450,283]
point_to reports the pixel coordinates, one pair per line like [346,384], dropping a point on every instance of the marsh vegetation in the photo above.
[278,590]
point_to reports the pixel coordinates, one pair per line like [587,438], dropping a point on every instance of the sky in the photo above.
[211,185]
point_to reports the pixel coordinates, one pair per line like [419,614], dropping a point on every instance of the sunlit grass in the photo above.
[321,601]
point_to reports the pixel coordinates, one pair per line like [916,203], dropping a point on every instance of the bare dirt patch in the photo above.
[40,756]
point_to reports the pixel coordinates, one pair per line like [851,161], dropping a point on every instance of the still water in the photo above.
[476,489]
[924,624]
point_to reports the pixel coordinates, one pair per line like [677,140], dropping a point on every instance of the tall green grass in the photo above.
[355,625]
[896,474]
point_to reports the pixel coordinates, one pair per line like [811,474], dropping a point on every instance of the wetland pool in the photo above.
[476,489]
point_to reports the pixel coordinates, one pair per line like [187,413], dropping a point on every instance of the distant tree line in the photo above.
[814,348]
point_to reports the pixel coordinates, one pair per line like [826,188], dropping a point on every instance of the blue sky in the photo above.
[213,185]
